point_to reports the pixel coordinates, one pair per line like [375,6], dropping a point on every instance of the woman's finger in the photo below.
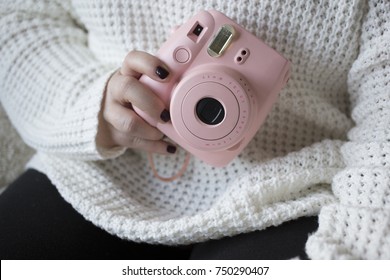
[137,63]
[154,146]
[128,122]
[127,89]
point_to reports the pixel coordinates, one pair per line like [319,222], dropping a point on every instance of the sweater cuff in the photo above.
[92,104]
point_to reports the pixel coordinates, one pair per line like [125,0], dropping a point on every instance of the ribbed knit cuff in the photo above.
[90,121]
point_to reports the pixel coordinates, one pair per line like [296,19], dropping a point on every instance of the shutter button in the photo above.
[182,55]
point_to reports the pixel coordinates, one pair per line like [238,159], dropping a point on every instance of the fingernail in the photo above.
[171,149]
[165,116]
[161,72]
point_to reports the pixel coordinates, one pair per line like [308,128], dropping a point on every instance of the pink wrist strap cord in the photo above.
[173,177]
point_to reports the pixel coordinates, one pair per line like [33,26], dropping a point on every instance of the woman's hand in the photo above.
[119,125]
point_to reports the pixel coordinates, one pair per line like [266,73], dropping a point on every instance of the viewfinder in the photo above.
[198,29]
[221,41]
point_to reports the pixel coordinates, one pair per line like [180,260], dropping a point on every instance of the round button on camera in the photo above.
[182,55]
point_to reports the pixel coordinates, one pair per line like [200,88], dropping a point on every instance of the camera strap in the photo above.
[173,177]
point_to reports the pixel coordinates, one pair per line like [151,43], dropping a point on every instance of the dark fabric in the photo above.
[275,243]
[37,223]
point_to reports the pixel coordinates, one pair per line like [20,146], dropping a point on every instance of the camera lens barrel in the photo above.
[211,108]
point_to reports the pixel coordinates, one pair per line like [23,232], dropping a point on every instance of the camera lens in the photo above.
[210,111]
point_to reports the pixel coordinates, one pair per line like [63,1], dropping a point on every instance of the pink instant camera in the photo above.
[224,82]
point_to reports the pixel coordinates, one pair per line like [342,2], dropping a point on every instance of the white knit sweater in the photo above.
[324,149]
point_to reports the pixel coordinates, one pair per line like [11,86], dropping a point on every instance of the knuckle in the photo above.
[119,84]
[157,135]
[118,138]
[112,82]
[136,142]
[110,116]
[132,57]
[114,77]
[126,84]
[131,53]
[105,112]
[128,125]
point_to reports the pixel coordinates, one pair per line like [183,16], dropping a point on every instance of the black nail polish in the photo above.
[161,72]
[165,116]
[171,149]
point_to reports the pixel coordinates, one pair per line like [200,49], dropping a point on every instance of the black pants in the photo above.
[36,223]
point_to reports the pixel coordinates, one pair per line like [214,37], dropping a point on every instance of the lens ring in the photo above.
[222,85]
[210,111]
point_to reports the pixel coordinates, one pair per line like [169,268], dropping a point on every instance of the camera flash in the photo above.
[221,41]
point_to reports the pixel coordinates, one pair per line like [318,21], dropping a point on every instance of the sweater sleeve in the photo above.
[358,225]
[51,85]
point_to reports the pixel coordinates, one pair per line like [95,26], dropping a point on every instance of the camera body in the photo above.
[224,82]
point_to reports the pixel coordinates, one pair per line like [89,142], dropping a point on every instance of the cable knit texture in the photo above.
[308,158]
